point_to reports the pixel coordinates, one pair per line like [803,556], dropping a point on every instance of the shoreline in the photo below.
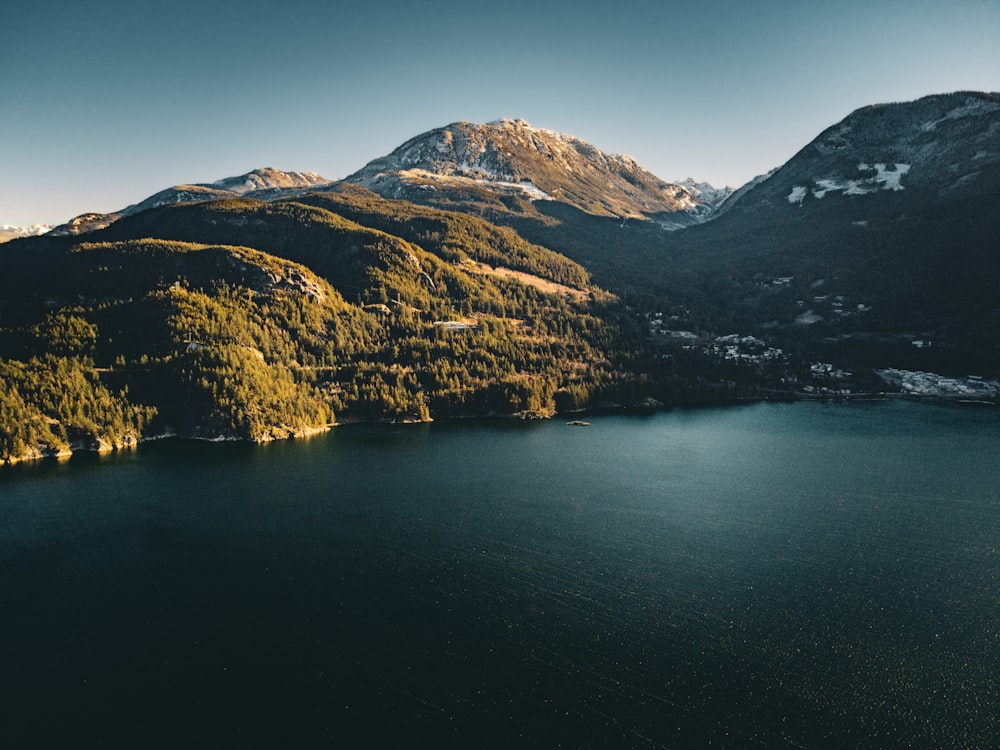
[41,455]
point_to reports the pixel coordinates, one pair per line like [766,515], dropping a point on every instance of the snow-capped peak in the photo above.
[10,232]
[509,153]
[705,192]
[267,178]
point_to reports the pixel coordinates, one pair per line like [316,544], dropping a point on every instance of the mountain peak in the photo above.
[269,178]
[511,122]
[511,157]
[942,145]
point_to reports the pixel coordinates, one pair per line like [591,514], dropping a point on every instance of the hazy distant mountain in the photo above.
[8,232]
[709,197]
[512,158]
[266,183]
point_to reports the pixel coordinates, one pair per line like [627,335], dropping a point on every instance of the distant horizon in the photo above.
[103,109]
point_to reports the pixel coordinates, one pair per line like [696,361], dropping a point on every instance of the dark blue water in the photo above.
[800,575]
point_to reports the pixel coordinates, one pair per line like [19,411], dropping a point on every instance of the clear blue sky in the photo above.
[104,102]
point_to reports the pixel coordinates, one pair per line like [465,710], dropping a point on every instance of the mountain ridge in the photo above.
[468,156]
[507,158]
[510,156]
[262,308]
[261,182]
[878,233]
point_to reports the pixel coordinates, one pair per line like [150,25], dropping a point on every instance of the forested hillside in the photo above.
[251,320]
[507,283]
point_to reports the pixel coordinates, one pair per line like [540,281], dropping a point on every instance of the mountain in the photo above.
[879,233]
[503,270]
[269,178]
[709,197]
[942,147]
[245,319]
[8,232]
[266,183]
[500,168]
[512,159]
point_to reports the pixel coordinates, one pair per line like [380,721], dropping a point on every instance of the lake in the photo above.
[771,575]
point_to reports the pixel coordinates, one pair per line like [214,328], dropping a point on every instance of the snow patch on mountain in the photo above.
[889,179]
[885,178]
[532,191]
[798,194]
[471,178]
[268,178]
[705,194]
